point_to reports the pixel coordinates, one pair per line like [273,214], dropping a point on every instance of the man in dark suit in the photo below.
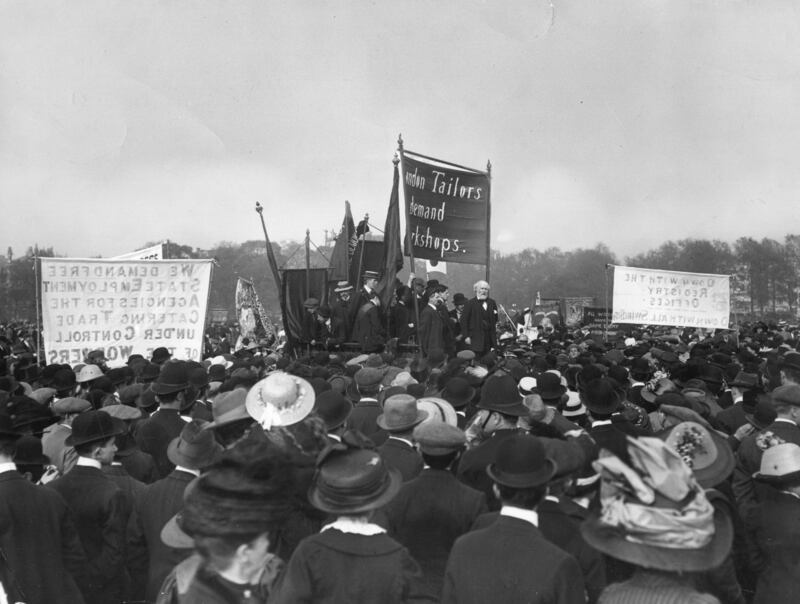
[510,560]
[400,416]
[432,510]
[431,328]
[499,409]
[41,547]
[479,321]
[98,506]
[150,560]
[154,434]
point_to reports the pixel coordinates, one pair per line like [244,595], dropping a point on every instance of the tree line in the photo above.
[765,274]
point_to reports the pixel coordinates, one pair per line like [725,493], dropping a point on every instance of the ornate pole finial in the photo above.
[400,141]
[489,166]
[259,209]
[396,159]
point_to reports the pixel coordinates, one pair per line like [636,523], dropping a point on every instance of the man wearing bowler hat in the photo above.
[400,416]
[510,560]
[39,541]
[500,409]
[432,510]
[367,409]
[155,433]
[98,506]
[150,559]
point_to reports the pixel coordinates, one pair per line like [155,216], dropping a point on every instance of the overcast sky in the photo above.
[621,121]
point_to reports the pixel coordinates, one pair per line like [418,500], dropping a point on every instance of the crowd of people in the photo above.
[661,466]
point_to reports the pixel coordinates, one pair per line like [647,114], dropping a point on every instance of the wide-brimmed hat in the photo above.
[173,377]
[704,451]
[780,464]
[521,462]
[763,414]
[70,404]
[333,408]
[437,409]
[88,373]
[600,396]
[500,394]
[654,514]
[229,407]
[400,413]
[351,481]
[458,392]
[27,413]
[195,447]
[280,399]
[92,426]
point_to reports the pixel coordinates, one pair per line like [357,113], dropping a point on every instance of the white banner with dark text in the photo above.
[656,297]
[123,307]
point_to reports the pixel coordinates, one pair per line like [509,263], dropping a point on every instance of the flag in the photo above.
[343,248]
[392,252]
[253,321]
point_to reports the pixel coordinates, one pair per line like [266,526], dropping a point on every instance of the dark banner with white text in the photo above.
[447,210]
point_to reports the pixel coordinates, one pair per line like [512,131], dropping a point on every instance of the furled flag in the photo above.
[343,248]
[392,252]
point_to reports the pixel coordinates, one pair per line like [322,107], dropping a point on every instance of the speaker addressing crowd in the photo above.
[428,451]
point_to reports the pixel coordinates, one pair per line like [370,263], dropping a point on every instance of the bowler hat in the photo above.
[500,394]
[173,377]
[521,463]
[352,481]
[333,408]
[600,396]
[746,380]
[7,429]
[160,355]
[29,451]
[27,413]
[195,448]
[549,386]
[458,392]
[118,375]
[763,414]
[791,360]
[92,426]
[459,299]
[280,399]
[149,372]
[400,413]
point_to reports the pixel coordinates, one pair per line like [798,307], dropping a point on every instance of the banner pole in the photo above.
[37,289]
[605,314]
[489,222]
[205,320]
[410,254]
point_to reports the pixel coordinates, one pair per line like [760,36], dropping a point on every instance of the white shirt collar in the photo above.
[401,439]
[9,466]
[355,527]
[89,463]
[188,470]
[521,513]
[601,422]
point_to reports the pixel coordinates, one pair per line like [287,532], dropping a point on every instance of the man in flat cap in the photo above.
[367,409]
[61,455]
[432,510]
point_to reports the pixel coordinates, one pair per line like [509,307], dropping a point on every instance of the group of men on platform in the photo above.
[418,314]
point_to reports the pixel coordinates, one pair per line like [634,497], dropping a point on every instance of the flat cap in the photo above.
[71,404]
[436,437]
[368,376]
[123,412]
[788,394]
[466,355]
